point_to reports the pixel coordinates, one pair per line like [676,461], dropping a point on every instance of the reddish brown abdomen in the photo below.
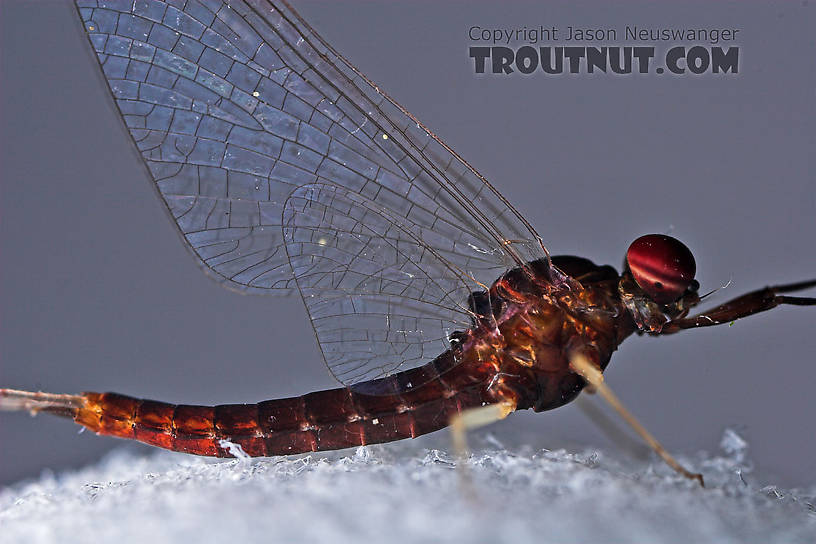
[323,420]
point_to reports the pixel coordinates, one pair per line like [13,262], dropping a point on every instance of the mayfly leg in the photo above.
[610,427]
[748,304]
[473,418]
[592,374]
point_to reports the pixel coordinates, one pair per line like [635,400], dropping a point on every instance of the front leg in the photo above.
[592,374]
[745,305]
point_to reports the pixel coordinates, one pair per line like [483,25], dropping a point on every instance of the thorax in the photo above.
[535,327]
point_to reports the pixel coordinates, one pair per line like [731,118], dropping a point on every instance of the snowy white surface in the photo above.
[402,493]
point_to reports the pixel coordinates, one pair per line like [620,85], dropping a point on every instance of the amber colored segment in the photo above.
[154,423]
[383,428]
[197,445]
[108,413]
[285,428]
[238,423]
[122,428]
[155,415]
[290,442]
[405,425]
[116,406]
[254,446]
[236,420]
[118,413]
[324,420]
[90,414]
[372,405]
[334,436]
[280,415]
[322,407]
[194,430]
[161,439]
[193,421]
[353,434]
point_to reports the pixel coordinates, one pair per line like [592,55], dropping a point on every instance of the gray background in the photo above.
[98,293]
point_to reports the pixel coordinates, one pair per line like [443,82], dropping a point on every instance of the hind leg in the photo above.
[473,418]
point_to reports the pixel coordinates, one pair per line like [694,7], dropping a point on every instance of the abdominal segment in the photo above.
[323,420]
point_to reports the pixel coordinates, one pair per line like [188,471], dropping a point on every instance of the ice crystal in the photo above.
[399,493]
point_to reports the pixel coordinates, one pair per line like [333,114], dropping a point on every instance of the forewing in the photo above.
[244,116]
[429,164]
[233,106]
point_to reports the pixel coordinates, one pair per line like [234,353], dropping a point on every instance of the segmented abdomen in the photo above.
[323,420]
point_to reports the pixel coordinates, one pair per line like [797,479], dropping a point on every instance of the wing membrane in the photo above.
[380,299]
[257,133]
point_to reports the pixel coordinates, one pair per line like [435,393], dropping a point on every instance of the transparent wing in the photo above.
[240,108]
[234,105]
[380,298]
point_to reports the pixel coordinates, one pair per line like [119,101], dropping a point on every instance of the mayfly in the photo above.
[435,303]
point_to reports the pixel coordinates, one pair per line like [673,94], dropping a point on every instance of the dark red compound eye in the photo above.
[662,266]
